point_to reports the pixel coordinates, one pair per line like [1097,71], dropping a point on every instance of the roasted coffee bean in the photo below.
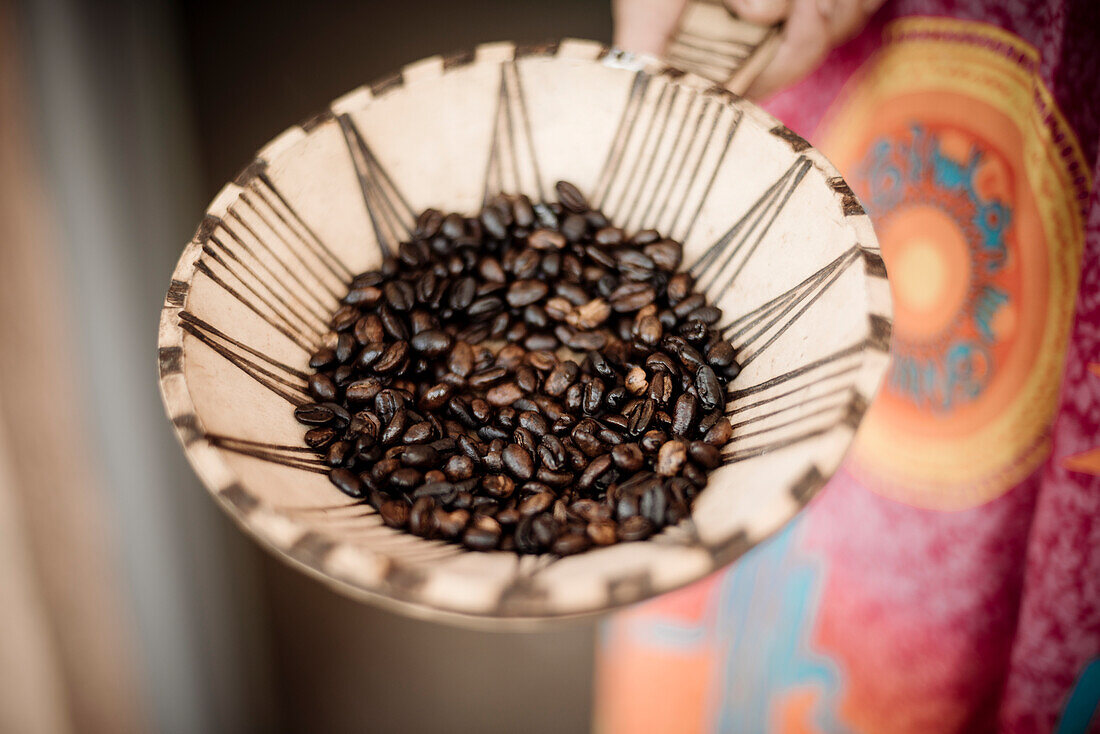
[451,524]
[393,358]
[313,414]
[601,532]
[711,392]
[635,528]
[395,513]
[436,396]
[704,454]
[518,462]
[671,457]
[432,343]
[418,433]
[422,516]
[683,414]
[498,486]
[568,545]
[459,467]
[525,292]
[628,456]
[536,503]
[407,478]
[596,469]
[720,433]
[505,394]
[571,197]
[347,482]
[319,437]
[445,426]
[631,297]
[419,456]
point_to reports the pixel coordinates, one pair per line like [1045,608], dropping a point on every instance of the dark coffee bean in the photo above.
[571,197]
[436,396]
[422,516]
[505,394]
[527,379]
[517,460]
[440,491]
[522,211]
[596,468]
[395,429]
[526,439]
[459,468]
[345,318]
[546,239]
[451,524]
[498,486]
[562,376]
[711,393]
[593,396]
[574,227]
[428,223]
[462,293]
[461,359]
[635,528]
[533,422]
[601,532]
[322,358]
[347,482]
[392,360]
[683,414]
[399,295]
[568,545]
[406,479]
[719,434]
[345,347]
[395,513]
[671,457]
[704,454]
[553,478]
[319,437]
[419,456]
[641,417]
[432,343]
[536,504]
[453,226]
[631,297]
[665,254]
[313,414]
[628,456]
[493,223]
[488,377]
[322,387]
[480,539]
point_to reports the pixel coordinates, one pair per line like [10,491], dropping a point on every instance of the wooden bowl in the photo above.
[773,233]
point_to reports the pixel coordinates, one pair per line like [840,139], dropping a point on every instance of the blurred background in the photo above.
[129,602]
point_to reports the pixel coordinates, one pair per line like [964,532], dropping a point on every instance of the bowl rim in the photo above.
[306,548]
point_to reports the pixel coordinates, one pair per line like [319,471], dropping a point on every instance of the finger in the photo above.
[644,26]
[804,44]
[764,12]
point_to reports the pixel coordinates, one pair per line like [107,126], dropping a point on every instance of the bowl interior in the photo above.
[770,229]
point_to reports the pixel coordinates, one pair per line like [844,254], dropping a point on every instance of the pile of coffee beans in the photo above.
[533,379]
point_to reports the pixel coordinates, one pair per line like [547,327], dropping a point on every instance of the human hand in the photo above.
[811,28]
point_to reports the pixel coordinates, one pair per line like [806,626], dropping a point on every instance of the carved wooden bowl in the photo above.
[773,233]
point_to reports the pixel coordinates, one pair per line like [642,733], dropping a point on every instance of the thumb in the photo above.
[763,12]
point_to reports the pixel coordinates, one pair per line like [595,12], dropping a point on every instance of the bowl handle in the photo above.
[712,42]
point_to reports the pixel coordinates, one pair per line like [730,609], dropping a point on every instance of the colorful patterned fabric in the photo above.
[948,578]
